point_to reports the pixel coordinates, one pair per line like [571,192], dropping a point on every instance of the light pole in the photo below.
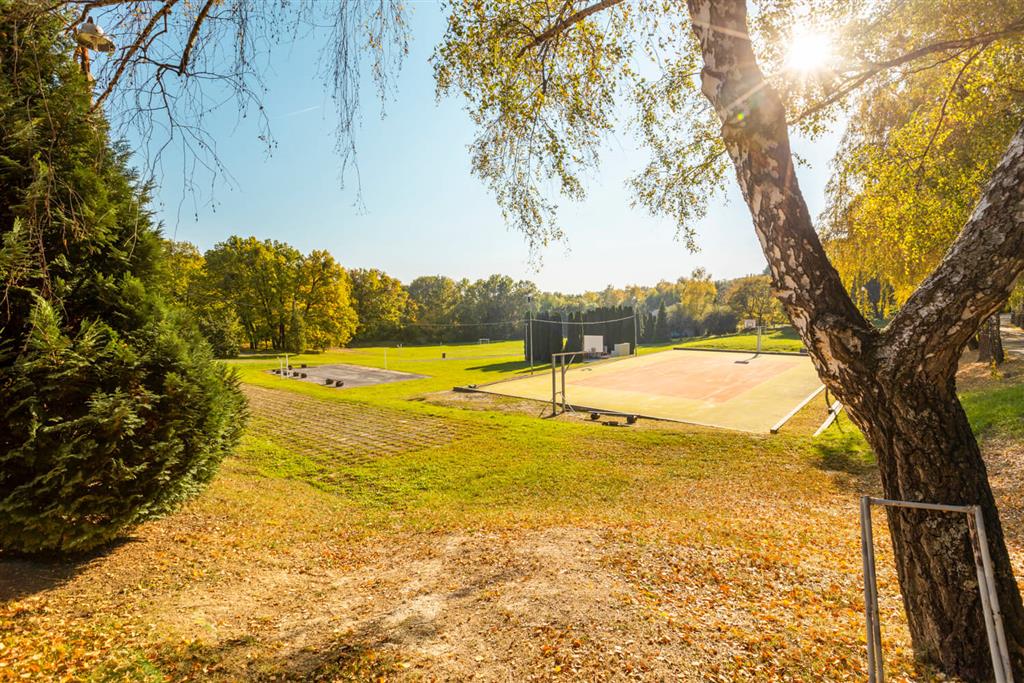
[529,331]
[636,351]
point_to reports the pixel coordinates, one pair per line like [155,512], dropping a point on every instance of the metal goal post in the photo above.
[559,364]
[986,585]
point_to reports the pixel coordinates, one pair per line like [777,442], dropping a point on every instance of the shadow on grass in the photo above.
[843,449]
[24,575]
[508,366]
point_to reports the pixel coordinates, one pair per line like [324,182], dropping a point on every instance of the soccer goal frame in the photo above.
[986,585]
[559,365]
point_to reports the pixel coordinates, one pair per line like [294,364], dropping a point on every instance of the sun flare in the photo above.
[809,52]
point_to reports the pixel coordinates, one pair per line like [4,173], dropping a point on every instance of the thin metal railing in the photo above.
[986,585]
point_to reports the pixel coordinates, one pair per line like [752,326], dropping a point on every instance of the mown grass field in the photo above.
[778,339]
[403,532]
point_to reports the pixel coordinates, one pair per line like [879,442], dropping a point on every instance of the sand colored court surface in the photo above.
[733,390]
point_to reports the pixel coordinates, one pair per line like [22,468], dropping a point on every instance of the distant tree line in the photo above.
[262,294]
[266,294]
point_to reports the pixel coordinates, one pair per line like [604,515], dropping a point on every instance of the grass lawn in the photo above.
[404,532]
[779,339]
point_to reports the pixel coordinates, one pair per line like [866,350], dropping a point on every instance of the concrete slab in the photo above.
[351,375]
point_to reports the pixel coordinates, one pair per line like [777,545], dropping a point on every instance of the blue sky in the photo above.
[422,212]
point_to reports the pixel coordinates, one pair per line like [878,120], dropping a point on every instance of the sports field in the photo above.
[741,391]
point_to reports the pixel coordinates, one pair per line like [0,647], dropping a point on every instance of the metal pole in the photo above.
[875,672]
[635,337]
[988,592]
[986,607]
[563,385]
[530,332]
[554,391]
[996,635]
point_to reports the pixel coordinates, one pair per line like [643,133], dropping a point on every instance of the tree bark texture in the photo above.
[898,383]
[990,342]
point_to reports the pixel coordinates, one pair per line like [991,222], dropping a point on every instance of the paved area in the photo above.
[734,390]
[351,375]
[1013,336]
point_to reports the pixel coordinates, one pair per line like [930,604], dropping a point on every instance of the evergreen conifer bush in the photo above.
[113,410]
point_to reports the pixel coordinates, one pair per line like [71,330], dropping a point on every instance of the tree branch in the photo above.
[131,50]
[975,277]
[942,113]
[565,23]
[186,54]
[874,68]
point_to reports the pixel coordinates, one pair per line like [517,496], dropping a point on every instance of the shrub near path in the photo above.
[521,549]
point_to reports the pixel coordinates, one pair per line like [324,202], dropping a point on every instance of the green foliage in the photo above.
[494,308]
[661,331]
[220,327]
[720,322]
[544,91]
[751,297]
[107,428]
[543,123]
[381,304]
[113,410]
[921,145]
[433,305]
[183,280]
[275,294]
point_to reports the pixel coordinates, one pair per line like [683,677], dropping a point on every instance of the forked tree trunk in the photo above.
[927,452]
[898,383]
[990,342]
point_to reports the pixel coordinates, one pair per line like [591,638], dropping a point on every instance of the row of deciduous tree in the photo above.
[267,294]
[263,293]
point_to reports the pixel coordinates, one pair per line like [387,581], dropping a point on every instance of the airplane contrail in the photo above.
[300,111]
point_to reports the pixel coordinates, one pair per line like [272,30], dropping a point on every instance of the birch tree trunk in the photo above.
[898,383]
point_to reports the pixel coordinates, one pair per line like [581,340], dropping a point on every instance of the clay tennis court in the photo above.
[733,390]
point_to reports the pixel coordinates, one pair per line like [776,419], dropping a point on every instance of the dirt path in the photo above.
[483,606]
